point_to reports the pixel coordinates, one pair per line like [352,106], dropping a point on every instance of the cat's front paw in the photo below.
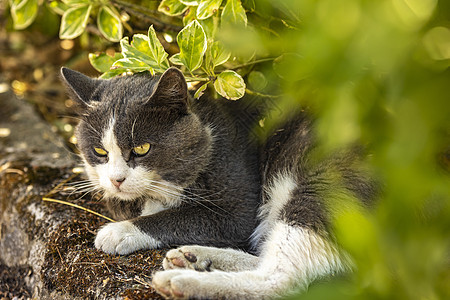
[123,238]
[188,257]
[176,284]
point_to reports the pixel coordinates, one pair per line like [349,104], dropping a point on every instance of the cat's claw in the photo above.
[188,257]
[123,238]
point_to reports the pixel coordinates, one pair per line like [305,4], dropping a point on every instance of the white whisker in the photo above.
[183,197]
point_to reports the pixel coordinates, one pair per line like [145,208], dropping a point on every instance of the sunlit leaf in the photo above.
[132,64]
[215,56]
[157,50]
[112,73]
[109,24]
[139,49]
[58,7]
[23,13]
[74,21]
[207,8]
[175,59]
[190,2]
[192,43]
[209,26]
[103,62]
[172,7]
[191,15]
[234,13]
[230,85]
[219,54]
[200,91]
[77,2]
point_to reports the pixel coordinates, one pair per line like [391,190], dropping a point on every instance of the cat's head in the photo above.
[137,135]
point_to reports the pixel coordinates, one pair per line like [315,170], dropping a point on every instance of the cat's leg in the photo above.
[175,226]
[202,258]
[123,238]
[292,257]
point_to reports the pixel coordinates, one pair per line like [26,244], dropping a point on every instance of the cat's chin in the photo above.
[122,196]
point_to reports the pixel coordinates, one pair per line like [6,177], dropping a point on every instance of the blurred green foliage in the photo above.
[372,71]
[377,71]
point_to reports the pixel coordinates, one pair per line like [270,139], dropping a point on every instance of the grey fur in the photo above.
[218,174]
[203,147]
[293,149]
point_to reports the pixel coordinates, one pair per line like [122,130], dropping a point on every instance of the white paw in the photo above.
[190,284]
[176,284]
[123,238]
[188,257]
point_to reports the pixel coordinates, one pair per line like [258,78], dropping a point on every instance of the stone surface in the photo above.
[46,248]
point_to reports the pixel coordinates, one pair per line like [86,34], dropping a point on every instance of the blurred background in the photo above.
[376,72]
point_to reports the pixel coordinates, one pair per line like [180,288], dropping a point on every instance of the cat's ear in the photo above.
[80,86]
[171,91]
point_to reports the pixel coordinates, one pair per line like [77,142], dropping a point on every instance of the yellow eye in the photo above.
[100,151]
[142,149]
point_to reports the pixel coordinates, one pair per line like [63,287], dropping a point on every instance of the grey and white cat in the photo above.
[180,172]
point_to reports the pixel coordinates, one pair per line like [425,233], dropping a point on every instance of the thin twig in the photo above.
[77,206]
[253,63]
[250,92]
[60,257]
[142,281]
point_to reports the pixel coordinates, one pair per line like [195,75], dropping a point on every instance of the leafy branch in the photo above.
[199,55]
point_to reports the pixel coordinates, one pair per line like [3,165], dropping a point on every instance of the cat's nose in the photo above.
[117,182]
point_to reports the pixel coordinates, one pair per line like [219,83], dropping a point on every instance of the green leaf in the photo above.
[175,59]
[156,49]
[77,2]
[200,91]
[219,54]
[282,66]
[250,5]
[207,8]
[74,22]
[132,64]
[191,15]
[172,7]
[192,42]
[190,2]
[109,24]
[216,55]
[103,62]
[230,85]
[140,50]
[112,73]
[257,80]
[58,7]
[234,13]
[209,26]
[23,13]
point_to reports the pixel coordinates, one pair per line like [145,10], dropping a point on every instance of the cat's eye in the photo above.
[142,149]
[100,152]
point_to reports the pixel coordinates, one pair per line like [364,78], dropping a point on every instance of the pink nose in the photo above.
[117,182]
